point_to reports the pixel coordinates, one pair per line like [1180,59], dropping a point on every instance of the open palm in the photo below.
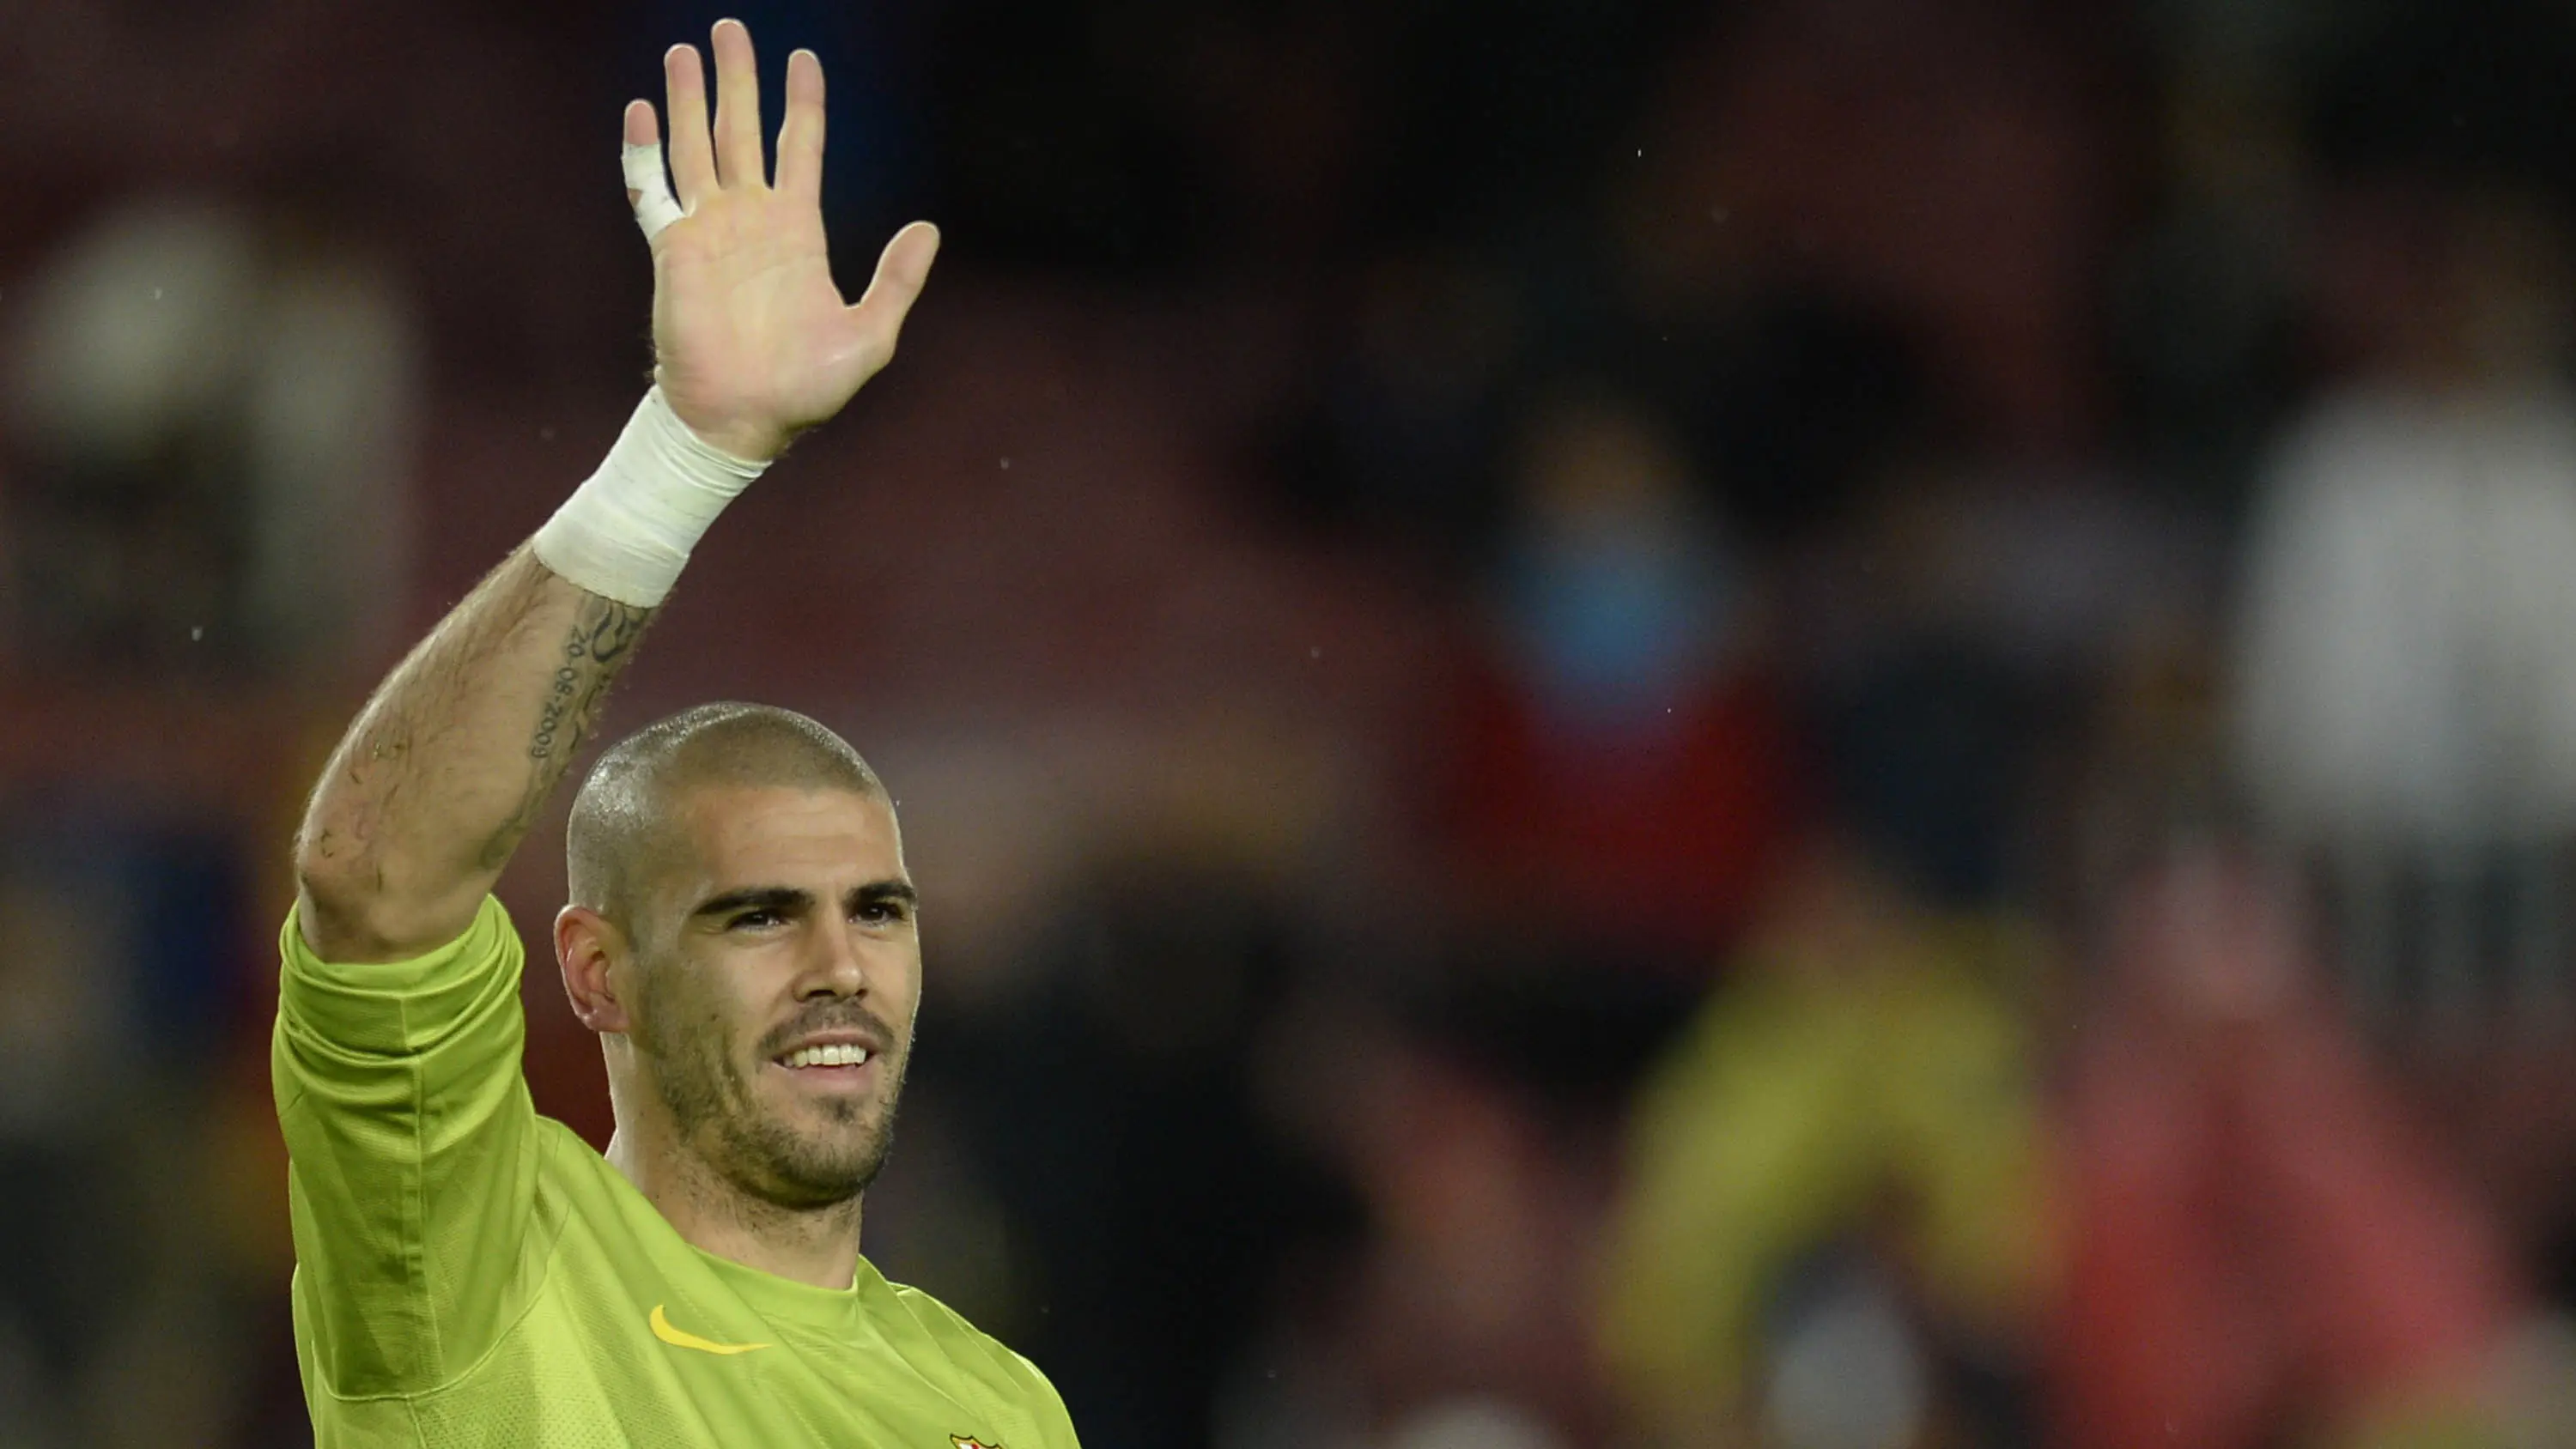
[753,343]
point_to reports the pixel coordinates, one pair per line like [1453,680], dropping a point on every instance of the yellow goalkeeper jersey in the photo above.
[470,1273]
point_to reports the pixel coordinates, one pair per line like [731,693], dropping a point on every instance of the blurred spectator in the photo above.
[1621,749]
[124,399]
[1946,641]
[115,993]
[2263,1251]
[1833,1235]
[1461,1310]
[2406,660]
[213,413]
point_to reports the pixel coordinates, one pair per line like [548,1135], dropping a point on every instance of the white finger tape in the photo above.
[654,206]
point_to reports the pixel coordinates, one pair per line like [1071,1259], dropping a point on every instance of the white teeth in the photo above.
[828,1056]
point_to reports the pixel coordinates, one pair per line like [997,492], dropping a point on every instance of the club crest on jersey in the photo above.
[960,1441]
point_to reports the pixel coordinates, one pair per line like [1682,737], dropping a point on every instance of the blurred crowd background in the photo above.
[1819,724]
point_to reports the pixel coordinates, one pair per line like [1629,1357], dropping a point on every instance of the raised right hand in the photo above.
[753,343]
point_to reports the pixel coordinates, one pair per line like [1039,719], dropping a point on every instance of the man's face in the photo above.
[778,949]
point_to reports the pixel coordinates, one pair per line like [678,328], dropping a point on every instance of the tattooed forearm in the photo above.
[595,649]
[593,653]
[448,767]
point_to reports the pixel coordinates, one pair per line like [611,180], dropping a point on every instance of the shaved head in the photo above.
[739,903]
[625,827]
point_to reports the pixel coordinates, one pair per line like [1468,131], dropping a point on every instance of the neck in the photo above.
[808,1245]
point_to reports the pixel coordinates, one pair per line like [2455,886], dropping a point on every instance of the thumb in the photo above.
[901,270]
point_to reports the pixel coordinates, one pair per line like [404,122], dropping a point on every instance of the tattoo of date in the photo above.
[593,652]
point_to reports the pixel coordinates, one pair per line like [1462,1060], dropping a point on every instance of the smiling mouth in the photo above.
[841,1065]
[836,1055]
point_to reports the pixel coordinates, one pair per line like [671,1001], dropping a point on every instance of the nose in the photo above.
[833,967]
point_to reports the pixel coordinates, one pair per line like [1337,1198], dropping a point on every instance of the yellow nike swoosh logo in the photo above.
[663,1330]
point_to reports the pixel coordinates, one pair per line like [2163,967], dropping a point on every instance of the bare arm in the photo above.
[448,765]
[451,761]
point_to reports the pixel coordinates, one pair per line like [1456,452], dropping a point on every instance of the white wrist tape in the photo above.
[626,532]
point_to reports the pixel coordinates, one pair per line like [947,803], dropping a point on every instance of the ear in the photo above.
[588,949]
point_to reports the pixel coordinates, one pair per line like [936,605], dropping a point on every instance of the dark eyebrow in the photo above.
[783,899]
[878,892]
[788,900]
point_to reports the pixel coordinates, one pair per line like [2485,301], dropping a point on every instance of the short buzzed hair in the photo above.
[621,821]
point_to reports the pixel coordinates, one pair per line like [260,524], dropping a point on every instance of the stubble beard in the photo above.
[722,1119]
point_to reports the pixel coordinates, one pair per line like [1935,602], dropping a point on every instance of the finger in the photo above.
[800,136]
[684,89]
[901,270]
[738,161]
[648,191]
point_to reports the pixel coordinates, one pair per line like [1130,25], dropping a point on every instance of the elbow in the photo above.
[351,907]
[332,873]
[338,905]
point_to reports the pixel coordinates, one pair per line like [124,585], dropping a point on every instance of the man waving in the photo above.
[741,935]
